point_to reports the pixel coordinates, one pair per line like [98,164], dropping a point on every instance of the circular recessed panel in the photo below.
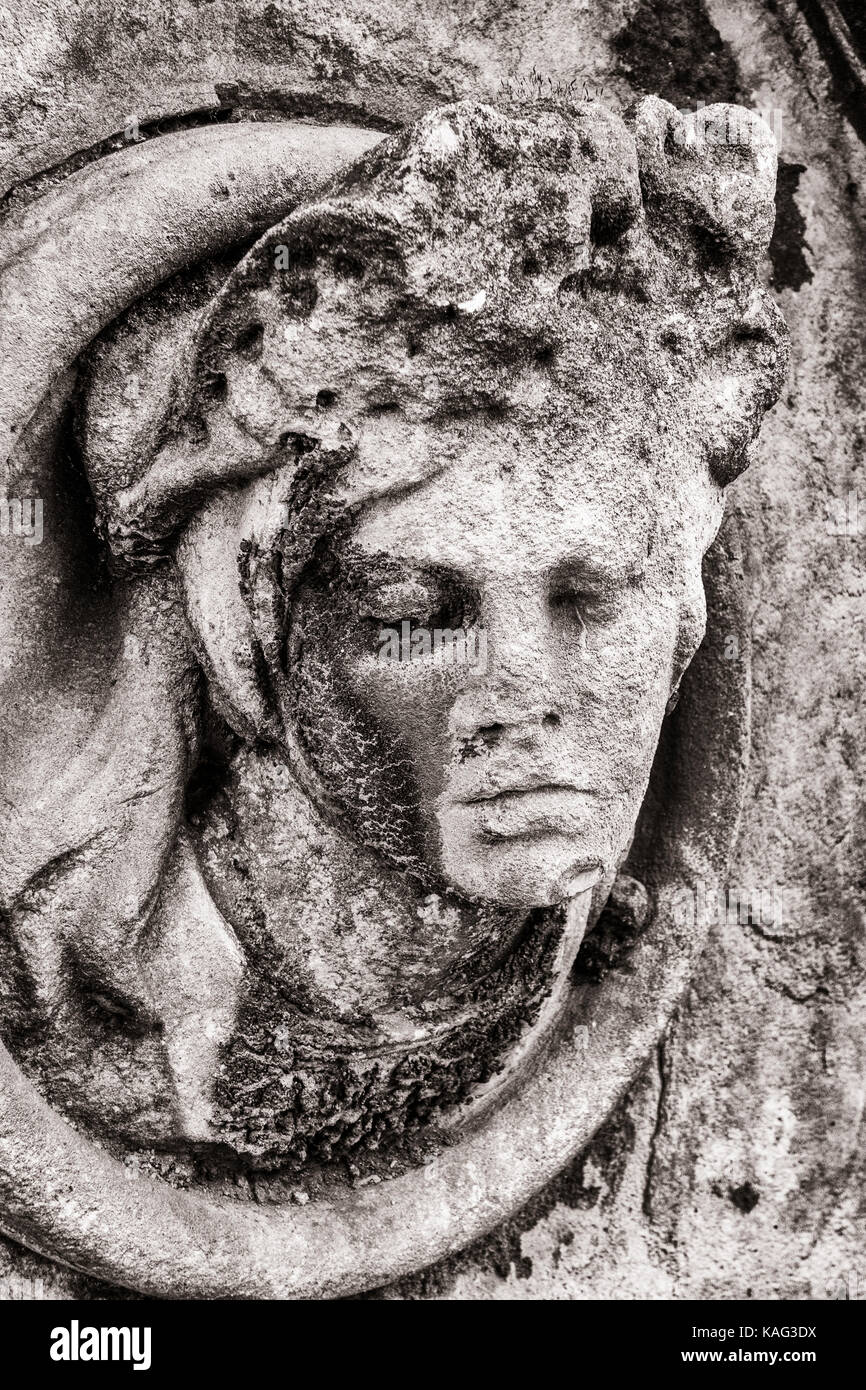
[63,1195]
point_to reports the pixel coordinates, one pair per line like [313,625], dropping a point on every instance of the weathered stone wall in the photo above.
[734,1168]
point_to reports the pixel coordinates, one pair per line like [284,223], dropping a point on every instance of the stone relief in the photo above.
[389,513]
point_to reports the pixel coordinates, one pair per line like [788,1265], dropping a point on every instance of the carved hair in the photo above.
[549,264]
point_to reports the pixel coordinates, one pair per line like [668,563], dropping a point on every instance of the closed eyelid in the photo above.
[398,596]
[581,576]
[391,582]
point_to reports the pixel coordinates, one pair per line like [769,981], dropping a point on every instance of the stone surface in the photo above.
[733,1163]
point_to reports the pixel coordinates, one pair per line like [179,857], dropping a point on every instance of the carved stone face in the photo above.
[493,379]
[517,765]
[496,328]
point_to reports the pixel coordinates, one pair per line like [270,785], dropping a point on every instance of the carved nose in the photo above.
[490,734]
[510,701]
[487,724]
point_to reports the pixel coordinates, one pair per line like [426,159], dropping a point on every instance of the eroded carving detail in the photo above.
[289,900]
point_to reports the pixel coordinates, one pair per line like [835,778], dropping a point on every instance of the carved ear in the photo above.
[745,378]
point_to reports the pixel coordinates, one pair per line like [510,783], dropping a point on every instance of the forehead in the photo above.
[494,493]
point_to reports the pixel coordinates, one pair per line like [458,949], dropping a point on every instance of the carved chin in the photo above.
[541,866]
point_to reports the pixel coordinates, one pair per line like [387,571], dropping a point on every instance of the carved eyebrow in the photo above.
[393,490]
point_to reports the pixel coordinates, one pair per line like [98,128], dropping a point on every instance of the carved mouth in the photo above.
[531,812]
[504,795]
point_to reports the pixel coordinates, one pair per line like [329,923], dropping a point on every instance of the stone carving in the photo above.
[306,893]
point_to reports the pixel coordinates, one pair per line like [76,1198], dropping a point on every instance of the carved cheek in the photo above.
[693,625]
[631,664]
[410,701]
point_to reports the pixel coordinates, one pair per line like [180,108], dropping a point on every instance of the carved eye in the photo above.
[432,603]
[569,603]
[393,602]
[580,604]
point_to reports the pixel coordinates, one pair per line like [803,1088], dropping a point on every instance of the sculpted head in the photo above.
[518,767]
[312,874]
[495,380]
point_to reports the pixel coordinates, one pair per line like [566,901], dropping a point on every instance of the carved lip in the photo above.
[533,787]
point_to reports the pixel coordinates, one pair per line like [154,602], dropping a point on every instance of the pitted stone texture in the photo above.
[766,1063]
[88,77]
[538,291]
[510,261]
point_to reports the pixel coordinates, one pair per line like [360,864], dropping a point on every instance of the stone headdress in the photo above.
[555,268]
